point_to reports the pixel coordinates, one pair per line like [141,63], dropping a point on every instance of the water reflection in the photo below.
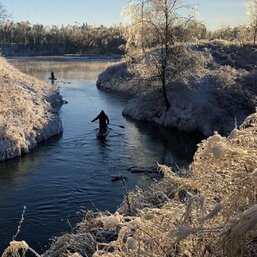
[171,147]
[65,72]
[11,171]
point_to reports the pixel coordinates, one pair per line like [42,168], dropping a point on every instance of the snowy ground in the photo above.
[29,112]
[222,97]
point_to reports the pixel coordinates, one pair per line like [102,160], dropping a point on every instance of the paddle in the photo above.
[114,125]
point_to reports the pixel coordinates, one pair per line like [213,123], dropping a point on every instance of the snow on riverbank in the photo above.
[29,112]
[224,94]
[210,105]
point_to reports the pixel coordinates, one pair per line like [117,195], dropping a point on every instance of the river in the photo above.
[72,172]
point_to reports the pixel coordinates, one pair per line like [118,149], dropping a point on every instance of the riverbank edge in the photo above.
[44,103]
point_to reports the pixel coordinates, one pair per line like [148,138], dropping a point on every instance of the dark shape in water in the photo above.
[102,134]
[52,77]
[103,122]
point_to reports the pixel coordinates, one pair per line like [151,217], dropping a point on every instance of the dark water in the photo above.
[72,172]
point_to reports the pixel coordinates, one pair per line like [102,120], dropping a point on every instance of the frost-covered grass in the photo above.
[239,56]
[224,92]
[29,111]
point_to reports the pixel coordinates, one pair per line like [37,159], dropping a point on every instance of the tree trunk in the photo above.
[167,103]
[164,93]
[255,32]
[164,56]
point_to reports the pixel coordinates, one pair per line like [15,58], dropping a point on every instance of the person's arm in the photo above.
[95,119]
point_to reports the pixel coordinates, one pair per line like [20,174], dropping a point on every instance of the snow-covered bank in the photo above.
[210,210]
[213,104]
[223,95]
[29,112]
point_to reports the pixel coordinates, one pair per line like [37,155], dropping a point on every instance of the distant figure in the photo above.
[52,76]
[103,121]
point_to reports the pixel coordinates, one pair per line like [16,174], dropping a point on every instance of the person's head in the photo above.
[102,112]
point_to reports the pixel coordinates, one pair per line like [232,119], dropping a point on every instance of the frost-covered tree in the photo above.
[195,31]
[154,28]
[137,33]
[70,39]
[252,18]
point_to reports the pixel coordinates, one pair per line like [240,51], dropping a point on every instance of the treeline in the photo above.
[239,34]
[70,39]
[195,31]
[23,37]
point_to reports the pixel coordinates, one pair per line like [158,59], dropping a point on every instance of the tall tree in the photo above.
[252,18]
[164,25]
[137,32]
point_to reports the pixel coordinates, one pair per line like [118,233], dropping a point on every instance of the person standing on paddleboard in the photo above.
[103,121]
[52,76]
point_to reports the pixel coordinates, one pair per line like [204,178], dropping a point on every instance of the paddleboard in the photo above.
[102,135]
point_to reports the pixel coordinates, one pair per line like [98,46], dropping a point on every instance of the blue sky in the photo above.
[214,13]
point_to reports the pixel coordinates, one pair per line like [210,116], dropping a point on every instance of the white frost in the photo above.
[29,112]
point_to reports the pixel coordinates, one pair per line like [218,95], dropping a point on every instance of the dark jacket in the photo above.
[103,120]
